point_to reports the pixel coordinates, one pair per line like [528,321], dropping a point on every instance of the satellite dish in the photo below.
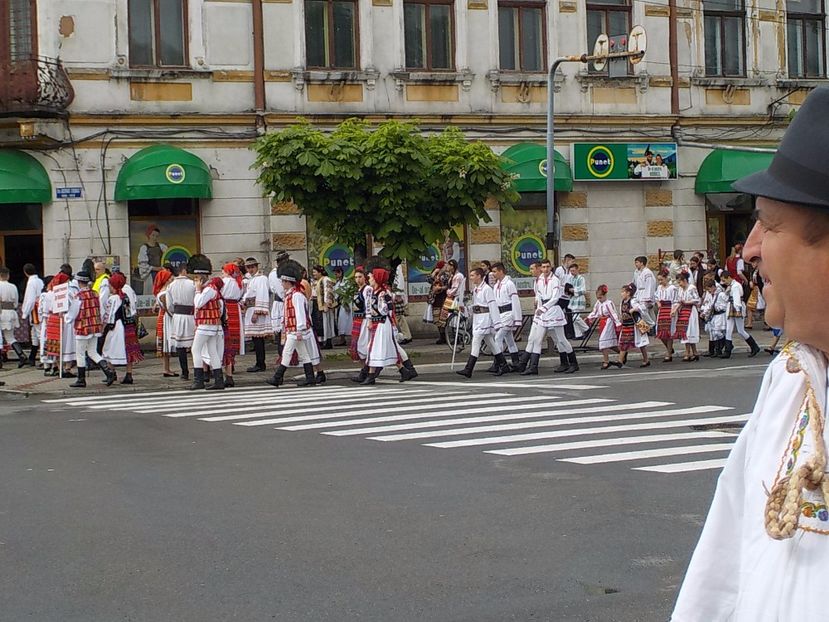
[601,50]
[637,43]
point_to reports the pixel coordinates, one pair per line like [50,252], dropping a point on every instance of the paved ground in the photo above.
[552,498]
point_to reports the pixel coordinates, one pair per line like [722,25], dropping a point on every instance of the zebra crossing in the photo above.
[567,423]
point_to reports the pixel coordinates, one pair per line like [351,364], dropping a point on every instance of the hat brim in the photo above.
[764,184]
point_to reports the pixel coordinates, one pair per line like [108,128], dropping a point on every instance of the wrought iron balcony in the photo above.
[36,87]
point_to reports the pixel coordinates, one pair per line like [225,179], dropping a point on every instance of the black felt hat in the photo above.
[799,171]
[199,264]
[289,270]
[83,277]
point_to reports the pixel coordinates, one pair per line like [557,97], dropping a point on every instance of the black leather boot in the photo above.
[182,362]
[564,363]
[33,356]
[470,365]
[198,379]
[109,372]
[523,359]
[218,381]
[361,376]
[22,361]
[712,344]
[370,378]
[408,371]
[516,361]
[309,380]
[728,347]
[259,349]
[127,379]
[493,369]
[532,365]
[755,349]
[503,366]
[718,346]
[80,383]
[321,378]
[572,363]
[278,376]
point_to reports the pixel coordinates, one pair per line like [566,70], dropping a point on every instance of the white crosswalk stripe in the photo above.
[583,429]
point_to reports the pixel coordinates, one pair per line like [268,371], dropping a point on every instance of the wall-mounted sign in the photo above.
[624,161]
[175,173]
[68,192]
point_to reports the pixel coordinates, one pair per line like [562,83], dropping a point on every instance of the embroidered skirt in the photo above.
[627,338]
[356,328]
[665,324]
[131,345]
[683,317]
[233,333]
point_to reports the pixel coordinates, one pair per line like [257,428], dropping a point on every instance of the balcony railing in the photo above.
[35,86]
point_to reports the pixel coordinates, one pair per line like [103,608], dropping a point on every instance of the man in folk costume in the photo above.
[121,345]
[535,272]
[361,325]
[29,309]
[299,337]
[181,293]
[763,550]
[645,282]
[163,323]
[85,317]
[257,312]
[509,308]
[713,310]
[486,322]
[736,317]
[209,337]
[562,273]
[549,316]
[9,319]
[234,336]
[278,305]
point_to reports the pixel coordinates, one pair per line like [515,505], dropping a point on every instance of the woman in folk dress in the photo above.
[666,297]
[630,337]
[605,313]
[121,345]
[233,329]
[60,351]
[687,316]
[163,323]
[361,324]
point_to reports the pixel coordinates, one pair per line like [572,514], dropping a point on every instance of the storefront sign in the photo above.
[155,242]
[328,252]
[175,173]
[624,161]
[522,235]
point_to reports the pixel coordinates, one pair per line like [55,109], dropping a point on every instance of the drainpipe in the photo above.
[258,57]
[673,57]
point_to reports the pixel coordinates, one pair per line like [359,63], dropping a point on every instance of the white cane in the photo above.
[455,345]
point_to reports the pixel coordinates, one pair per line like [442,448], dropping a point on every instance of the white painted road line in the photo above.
[685,467]
[501,384]
[612,429]
[154,395]
[607,442]
[628,456]
[529,414]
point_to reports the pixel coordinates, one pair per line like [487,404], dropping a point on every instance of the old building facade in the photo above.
[127,124]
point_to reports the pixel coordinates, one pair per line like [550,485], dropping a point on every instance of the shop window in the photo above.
[429,27]
[610,17]
[331,34]
[725,46]
[158,33]
[522,36]
[805,38]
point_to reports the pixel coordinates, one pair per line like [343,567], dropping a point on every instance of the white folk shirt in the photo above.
[548,291]
[645,285]
[565,278]
[278,305]
[257,300]
[34,287]
[506,294]
[488,322]
[735,298]
[301,312]
[713,310]
[738,572]
[8,317]
[667,293]
[181,291]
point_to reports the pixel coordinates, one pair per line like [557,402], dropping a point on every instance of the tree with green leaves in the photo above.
[404,188]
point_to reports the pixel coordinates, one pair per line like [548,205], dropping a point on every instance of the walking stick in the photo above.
[455,345]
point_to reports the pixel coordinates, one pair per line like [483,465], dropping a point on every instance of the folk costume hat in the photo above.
[290,271]
[83,277]
[251,261]
[799,171]
[199,264]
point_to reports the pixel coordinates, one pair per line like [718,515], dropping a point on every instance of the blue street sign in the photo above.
[70,192]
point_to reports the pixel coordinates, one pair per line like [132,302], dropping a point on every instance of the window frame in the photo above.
[428,51]
[605,8]
[329,44]
[802,18]
[519,5]
[721,16]
[185,34]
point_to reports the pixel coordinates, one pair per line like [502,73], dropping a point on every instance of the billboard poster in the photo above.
[155,242]
[327,252]
[441,250]
[624,161]
[522,243]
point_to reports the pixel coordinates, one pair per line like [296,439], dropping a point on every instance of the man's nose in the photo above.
[753,245]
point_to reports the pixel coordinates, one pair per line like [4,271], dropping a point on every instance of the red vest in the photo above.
[88,321]
[209,314]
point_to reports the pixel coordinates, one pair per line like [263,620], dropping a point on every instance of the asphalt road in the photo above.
[115,510]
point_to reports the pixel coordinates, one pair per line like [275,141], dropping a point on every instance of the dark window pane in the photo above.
[414,18]
[531,39]
[611,2]
[722,5]
[162,207]
[22,217]
[171,27]
[713,60]
[794,48]
[315,39]
[507,38]
[345,17]
[813,38]
[617,23]
[815,7]
[20,29]
[440,22]
[595,27]
[141,32]
[734,55]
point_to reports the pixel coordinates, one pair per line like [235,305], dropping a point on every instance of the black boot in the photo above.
[532,365]
[755,349]
[208,379]
[278,376]
[493,369]
[408,371]
[719,344]
[370,377]
[109,372]
[80,383]
[321,378]
[21,358]
[727,349]
[441,337]
[127,379]
[516,361]
[712,344]
[33,356]
[182,362]
[229,383]
[573,364]
[523,359]
[218,381]
[470,365]
[361,376]
[565,363]
[309,380]
[327,345]
[198,379]
[503,366]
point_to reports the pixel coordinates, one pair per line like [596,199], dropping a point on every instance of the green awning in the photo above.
[164,172]
[23,179]
[722,167]
[528,161]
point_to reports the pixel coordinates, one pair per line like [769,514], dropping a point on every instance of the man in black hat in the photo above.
[765,545]
[257,299]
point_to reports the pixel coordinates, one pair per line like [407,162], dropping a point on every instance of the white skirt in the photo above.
[364,341]
[608,338]
[344,321]
[262,327]
[692,333]
[182,331]
[383,350]
[115,350]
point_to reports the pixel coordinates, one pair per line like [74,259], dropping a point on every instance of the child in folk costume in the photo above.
[163,323]
[604,312]
[234,337]
[278,304]
[384,350]
[121,345]
[509,306]
[578,301]
[714,306]
[299,346]
[85,318]
[634,333]
[180,294]
[257,312]
[57,349]
[666,297]
[209,337]
[486,321]
[687,316]
[361,325]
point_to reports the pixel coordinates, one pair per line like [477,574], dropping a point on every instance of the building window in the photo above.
[430,34]
[18,28]
[610,17]
[522,36]
[805,39]
[725,47]
[158,33]
[331,34]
